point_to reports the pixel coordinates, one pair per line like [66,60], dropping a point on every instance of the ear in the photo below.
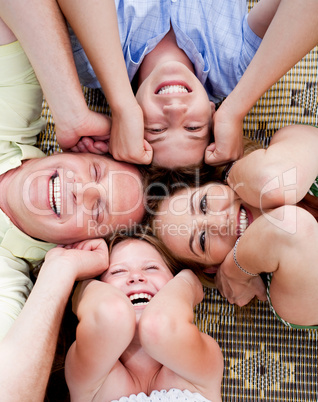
[212,104]
[211,269]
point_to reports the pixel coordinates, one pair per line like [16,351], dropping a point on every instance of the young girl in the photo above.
[136,334]
[259,222]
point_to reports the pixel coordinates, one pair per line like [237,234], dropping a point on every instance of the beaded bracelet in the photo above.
[226,171]
[237,264]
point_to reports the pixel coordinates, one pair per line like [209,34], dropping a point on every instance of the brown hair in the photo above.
[165,183]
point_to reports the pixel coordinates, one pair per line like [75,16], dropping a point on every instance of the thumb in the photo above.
[148,154]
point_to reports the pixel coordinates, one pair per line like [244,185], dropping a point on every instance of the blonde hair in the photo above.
[146,234]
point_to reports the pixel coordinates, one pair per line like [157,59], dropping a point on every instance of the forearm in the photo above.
[95,24]
[40,28]
[28,350]
[169,313]
[178,296]
[290,36]
[281,174]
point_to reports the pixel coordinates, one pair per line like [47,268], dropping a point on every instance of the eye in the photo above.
[203,204]
[97,172]
[117,271]
[97,210]
[202,241]
[194,128]
[156,130]
[152,267]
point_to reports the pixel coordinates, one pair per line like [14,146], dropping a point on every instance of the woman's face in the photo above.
[202,224]
[138,270]
[177,115]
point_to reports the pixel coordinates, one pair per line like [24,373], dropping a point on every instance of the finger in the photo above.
[75,149]
[101,146]
[81,145]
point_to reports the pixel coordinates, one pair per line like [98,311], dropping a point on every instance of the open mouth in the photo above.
[55,194]
[172,89]
[140,299]
[243,221]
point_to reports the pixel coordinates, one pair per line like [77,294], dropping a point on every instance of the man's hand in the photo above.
[83,260]
[88,133]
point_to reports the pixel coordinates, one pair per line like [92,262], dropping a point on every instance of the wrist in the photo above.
[250,274]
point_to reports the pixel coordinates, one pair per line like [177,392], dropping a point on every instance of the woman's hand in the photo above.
[236,286]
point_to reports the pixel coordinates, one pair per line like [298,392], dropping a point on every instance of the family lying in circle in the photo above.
[253,211]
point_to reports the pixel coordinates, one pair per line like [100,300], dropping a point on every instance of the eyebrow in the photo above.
[191,240]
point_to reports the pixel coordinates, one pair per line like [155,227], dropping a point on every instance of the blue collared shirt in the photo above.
[214,34]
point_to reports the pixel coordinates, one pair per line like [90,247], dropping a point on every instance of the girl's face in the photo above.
[202,224]
[138,270]
[177,115]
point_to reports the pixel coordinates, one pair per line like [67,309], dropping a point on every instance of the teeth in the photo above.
[170,89]
[243,221]
[55,194]
[140,299]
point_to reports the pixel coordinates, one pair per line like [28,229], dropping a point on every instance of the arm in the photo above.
[272,241]
[281,174]
[107,324]
[291,34]
[27,351]
[96,27]
[168,334]
[41,30]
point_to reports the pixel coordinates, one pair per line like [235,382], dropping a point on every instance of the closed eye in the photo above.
[153,267]
[97,210]
[117,271]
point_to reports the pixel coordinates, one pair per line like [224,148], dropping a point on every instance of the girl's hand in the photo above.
[236,286]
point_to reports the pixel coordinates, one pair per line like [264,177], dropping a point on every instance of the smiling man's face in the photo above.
[67,198]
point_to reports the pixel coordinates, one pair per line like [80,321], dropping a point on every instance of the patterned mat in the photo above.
[264,361]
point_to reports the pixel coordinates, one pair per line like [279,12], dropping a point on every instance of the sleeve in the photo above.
[20,105]
[15,287]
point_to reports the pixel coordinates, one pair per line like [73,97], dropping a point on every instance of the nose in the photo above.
[175,110]
[216,222]
[87,194]
[136,277]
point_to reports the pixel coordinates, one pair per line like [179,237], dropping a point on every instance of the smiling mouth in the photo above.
[172,89]
[55,194]
[243,221]
[140,299]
